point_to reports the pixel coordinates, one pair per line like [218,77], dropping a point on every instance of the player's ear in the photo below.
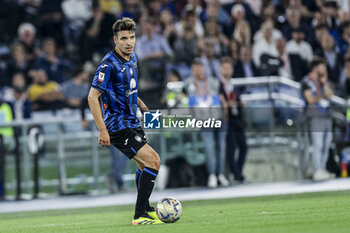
[115,39]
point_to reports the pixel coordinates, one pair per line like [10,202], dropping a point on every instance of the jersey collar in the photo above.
[120,57]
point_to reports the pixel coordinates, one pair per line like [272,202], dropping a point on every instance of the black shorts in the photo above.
[129,141]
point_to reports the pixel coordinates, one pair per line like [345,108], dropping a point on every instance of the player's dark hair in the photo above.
[315,62]
[124,24]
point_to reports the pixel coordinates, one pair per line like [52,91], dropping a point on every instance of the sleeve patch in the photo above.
[101,77]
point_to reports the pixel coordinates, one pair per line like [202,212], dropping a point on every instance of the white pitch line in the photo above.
[183,194]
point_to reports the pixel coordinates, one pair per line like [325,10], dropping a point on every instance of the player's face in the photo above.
[125,41]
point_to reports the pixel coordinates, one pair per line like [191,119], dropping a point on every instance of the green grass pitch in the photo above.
[313,212]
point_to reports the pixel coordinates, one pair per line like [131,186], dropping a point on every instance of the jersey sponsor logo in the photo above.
[151,120]
[128,92]
[132,84]
[101,77]
[138,138]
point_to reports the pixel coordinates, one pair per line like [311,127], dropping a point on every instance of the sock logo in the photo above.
[126,141]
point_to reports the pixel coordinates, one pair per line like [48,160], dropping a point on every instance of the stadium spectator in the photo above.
[317,93]
[153,8]
[249,15]
[19,63]
[168,28]
[242,33]
[237,13]
[51,22]
[54,65]
[346,78]
[299,4]
[244,66]
[320,30]
[210,62]
[236,138]
[293,16]
[234,49]
[185,50]
[133,9]
[27,37]
[203,93]
[186,47]
[344,41]
[319,19]
[76,13]
[175,97]
[215,11]
[293,66]
[44,94]
[333,58]
[17,96]
[261,33]
[153,52]
[265,45]
[330,11]
[6,116]
[76,89]
[298,46]
[97,36]
[113,7]
[256,6]
[190,19]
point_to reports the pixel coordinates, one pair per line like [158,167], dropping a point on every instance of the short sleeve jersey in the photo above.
[116,78]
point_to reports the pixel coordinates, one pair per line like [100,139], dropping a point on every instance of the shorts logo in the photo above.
[126,142]
[138,138]
[151,120]
[101,77]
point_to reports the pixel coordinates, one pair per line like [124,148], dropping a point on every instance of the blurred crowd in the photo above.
[53,46]
[49,49]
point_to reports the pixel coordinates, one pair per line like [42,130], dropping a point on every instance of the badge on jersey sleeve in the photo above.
[101,75]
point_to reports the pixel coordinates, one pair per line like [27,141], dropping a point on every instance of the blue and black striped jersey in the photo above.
[116,78]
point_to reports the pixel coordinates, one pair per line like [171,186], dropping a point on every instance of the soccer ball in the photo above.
[169,210]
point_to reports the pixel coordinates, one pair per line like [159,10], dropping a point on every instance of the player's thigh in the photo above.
[148,157]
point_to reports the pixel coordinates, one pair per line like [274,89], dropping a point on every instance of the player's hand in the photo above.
[103,138]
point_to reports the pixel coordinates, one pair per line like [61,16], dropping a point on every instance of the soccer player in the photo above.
[115,81]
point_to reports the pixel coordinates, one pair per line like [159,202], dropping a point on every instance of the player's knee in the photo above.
[157,163]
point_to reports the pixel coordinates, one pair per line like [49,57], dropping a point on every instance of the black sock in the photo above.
[145,187]
[137,180]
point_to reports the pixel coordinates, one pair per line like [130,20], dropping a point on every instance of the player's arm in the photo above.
[95,107]
[142,105]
